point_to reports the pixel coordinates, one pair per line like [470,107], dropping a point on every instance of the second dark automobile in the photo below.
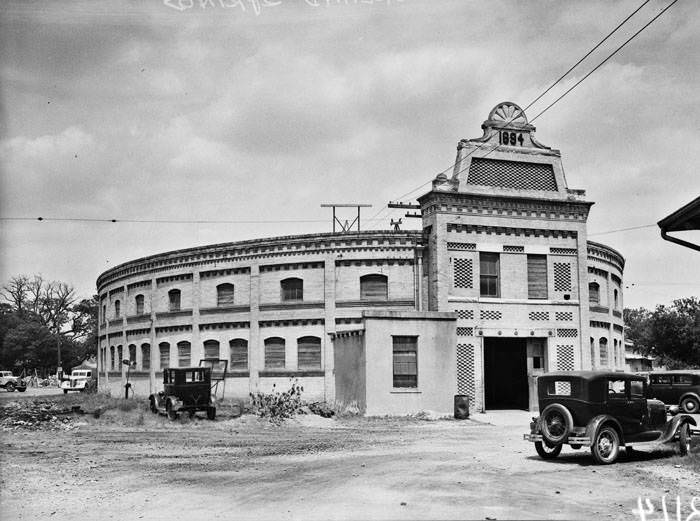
[186,389]
[603,411]
[678,387]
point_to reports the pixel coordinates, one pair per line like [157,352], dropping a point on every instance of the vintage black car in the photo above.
[185,389]
[603,411]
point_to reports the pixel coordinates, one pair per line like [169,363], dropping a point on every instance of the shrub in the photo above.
[276,405]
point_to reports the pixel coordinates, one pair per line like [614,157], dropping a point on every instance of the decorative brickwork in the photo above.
[137,332]
[463,273]
[292,266]
[288,323]
[465,331]
[562,276]
[490,315]
[224,325]
[514,249]
[465,314]
[564,316]
[222,273]
[538,315]
[173,329]
[461,246]
[140,284]
[174,278]
[375,262]
[567,333]
[511,174]
[505,230]
[563,251]
[596,271]
[602,325]
[465,370]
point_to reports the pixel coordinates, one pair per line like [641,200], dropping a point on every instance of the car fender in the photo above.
[689,394]
[596,422]
[176,404]
[672,426]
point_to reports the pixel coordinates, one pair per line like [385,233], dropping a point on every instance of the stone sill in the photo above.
[405,391]
[173,314]
[224,309]
[299,304]
[292,373]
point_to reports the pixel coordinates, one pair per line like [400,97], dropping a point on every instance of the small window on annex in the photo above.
[164,349]
[488,275]
[211,349]
[405,361]
[603,343]
[145,356]
[309,352]
[139,304]
[239,354]
[224,295]
[274,353]
[292,289]
[174,300]
[117,309]
[184,354]
[374,287]
[594,293]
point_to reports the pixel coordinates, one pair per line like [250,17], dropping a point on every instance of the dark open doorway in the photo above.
[505,373]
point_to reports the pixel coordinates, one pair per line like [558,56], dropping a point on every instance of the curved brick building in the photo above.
[500,285]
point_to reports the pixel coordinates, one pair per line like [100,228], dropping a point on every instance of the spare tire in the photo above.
[556,423]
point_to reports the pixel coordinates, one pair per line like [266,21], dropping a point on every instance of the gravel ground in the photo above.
[134,465]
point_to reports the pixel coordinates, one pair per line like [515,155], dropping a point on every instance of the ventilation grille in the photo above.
[490,315]
[465,314]
[567,333]
[565,358]
[539,315]
[463,246]
[465,331]
[463,273]
[465,370]
[562,276]
[511,174]
[563,251]
[564,316]
[514,249]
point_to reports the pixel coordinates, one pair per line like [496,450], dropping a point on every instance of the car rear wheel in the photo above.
[65,391]
[684,439]
[556,423]
[172,414]
[547,452]
[690,405]
[211,413]
[21,389]
[606,445]
[10,387]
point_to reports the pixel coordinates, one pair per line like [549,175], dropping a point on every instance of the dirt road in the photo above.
[132,465]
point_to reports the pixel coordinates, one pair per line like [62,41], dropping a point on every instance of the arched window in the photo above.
[174,300]
[239,354]
[224,295]
[119,357]
[211,349]
[139,304]
[164,349]
[111,358]
[615,299]
[292,289]
[592,353]
[274,353]
[145,356]
[184,354]
[117,308]
[132,353]
[374,287]
[104,313]
[309,352]
[604,352]
[594,292]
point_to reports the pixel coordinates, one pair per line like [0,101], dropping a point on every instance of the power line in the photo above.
[624,229]
[165,221]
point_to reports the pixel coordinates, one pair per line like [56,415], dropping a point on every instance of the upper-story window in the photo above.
[309,352]
[292,289]
[184,354]
[275,357]
[224,295]
[594,293]
[104,313]
[374,287]
[117,309]
[211,349]
[145,356]
[164,350]
[139,304]
[174,300]
[489,274]
[239,354]
[537,276]
[615,299]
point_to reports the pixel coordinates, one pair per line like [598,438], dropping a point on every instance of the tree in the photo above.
[671,333]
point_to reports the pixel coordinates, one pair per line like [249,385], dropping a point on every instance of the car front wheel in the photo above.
[152,403]
[690,405]
[211,413]
[606,446]
[684,439]
[547,452]
[10,387]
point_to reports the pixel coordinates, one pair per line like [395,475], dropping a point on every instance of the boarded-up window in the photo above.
[239,354]
[224,295]
[139,304]
[374,287]
[603,352]
[274,353]
[117,308]
[593,364]
[184,354]
[132,353]
[145,356]
[309,352]
[292,289]
[211,349]
[164,349]
[537,276]
[174,299]
[488,276]
[594,293]
[615,299]
[119,356]
[405,361]
[111,355]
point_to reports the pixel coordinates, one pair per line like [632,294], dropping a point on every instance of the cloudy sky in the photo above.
[257,110]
